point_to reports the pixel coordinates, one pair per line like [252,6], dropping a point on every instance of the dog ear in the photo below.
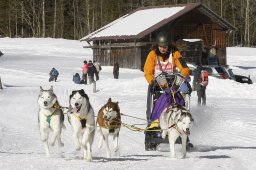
[82,92]
[41,89]
[191,118]
[72,93]
[109,100]
[51,88]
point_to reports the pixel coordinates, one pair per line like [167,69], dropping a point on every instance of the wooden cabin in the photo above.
[128,39]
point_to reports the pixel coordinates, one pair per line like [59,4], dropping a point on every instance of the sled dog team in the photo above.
[176,121]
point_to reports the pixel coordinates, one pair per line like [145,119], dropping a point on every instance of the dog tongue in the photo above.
[75,110]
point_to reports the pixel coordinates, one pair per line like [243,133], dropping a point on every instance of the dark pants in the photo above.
[84,78]
[116,75]
[97,75]
[149,103]
[201,96]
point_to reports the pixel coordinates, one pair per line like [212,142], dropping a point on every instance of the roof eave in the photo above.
[213,15]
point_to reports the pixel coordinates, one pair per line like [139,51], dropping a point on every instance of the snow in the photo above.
[132,24]
[192,40]
[223,132]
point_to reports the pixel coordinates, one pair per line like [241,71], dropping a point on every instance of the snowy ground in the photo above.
[223,133]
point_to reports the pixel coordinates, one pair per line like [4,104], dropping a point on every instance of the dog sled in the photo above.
[167,89]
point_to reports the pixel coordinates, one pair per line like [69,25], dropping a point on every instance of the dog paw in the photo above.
[48,155]
[61,144]
[43,139]
[78,148]
[108,156]
[183,156]
[116,149]
[52,144]
[164,134]
[89,159]
[173,157]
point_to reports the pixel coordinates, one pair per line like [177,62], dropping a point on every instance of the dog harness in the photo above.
[116,123]
[81,119]
[56,106]
[174,126]
[48,118]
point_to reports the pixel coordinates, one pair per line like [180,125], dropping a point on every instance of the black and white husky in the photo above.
[82,120]
[176,121]
[50,118]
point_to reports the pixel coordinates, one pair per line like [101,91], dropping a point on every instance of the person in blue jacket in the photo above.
[53,74]
[77,79]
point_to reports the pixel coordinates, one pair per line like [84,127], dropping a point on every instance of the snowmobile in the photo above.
[166,90]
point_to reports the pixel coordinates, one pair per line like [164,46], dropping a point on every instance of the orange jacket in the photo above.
[149,67]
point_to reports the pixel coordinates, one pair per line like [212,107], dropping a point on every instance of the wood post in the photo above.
[94,86]
[1,86]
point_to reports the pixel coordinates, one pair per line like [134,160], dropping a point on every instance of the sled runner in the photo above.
[166,90]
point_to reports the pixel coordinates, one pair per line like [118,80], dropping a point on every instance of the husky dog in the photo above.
[82,120]
[109,121]
[50,118]
[176,121]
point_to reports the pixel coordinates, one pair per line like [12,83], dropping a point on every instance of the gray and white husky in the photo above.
[50,118]
[82,120]
[176,121]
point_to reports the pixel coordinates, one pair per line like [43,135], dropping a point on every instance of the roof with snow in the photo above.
[145,20]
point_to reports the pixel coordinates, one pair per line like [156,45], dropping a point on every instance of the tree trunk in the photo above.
[246,30]
[9,20]
[54,18]
[43,18]
[22,20]
[74,25]
[88,16]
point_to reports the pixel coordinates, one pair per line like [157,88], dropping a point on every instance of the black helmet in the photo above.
[162,39]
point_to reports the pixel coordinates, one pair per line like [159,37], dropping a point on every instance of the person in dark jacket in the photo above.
[76,79]
[198,87]
[1,53]
[91,71]
[116,70]
[53,74]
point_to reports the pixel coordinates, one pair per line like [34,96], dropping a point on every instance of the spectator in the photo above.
[53,74]
[1,53]
[84,71]
[116,70]
[76,79]
[198,86]
[213,58]
[91,72]
[98,68]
